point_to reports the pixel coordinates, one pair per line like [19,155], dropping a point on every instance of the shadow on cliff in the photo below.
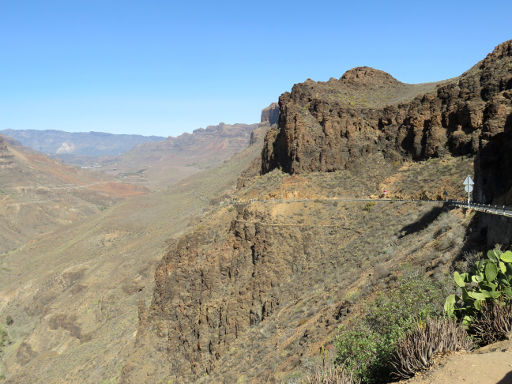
[493,170]
[493,185]
[421,224]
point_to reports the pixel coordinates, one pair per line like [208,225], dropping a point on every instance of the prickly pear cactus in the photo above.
[491,280]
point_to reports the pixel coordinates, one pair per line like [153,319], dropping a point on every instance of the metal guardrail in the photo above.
[486,208]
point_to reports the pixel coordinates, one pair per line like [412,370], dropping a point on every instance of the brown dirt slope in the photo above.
[260,285]
[38,194]
[161,164]
[73,294]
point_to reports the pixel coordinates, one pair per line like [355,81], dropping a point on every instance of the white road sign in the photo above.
[469,181]
[468,187]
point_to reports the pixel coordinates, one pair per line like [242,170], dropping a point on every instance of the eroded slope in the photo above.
[38,194]
[254,292]
[73,294]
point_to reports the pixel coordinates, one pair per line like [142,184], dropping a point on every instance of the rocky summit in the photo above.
[327,126]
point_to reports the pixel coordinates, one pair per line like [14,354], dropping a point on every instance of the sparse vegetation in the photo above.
[402,331]
[484,303]
[331,376]
[366,347]
[369,206]
[3,339]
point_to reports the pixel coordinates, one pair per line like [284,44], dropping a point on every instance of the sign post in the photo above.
[468,187]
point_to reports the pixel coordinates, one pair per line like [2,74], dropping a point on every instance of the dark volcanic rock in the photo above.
[270,114]
[326,126]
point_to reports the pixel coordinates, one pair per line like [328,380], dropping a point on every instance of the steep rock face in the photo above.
[270,114]
[326,126]
[213,289]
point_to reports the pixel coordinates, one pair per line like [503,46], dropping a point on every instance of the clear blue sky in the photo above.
[167,67]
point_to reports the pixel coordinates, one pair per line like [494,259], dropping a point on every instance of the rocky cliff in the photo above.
[270,114]
[326,126]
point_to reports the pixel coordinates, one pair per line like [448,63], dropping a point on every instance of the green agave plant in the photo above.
[491,280]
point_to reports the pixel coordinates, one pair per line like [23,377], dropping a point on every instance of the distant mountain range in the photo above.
[78,148]
[39,194]
[161,164]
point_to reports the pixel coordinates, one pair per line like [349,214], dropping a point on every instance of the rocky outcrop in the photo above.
[270,114]
[326,126]
[211,303]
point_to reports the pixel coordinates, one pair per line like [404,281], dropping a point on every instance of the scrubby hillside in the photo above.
[261,285]
[38,194]
[73,294]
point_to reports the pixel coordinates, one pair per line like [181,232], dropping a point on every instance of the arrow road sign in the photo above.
[469,181]
[468,187]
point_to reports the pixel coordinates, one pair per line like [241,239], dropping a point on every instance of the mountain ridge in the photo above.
[318,132]
[77,148]
[161,164]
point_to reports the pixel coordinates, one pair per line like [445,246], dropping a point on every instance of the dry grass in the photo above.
[331,376]
[417,351]
[494,323]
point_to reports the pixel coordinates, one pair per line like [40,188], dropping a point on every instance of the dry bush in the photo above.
[331,376]
[416,351]
[494,323]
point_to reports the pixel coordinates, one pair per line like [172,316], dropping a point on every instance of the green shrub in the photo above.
[368,207]
[361,351]
[490,280]
[366,346]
